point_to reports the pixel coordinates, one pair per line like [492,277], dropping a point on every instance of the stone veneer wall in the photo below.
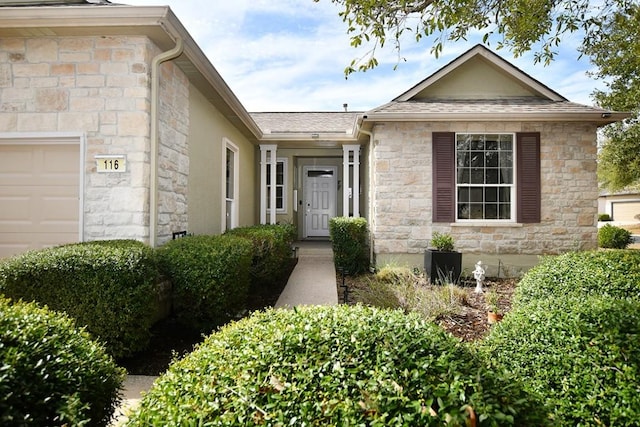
[100,87]
[173,152]
[402,215]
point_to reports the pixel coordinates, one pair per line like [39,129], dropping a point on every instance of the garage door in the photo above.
[39,196]
[625,211]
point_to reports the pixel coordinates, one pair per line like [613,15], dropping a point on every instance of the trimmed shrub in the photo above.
[52,374]
[210,277]
[105,285]
[604,217]
[272,245]
[340,365]
[612,237]
[613,273]
[580,356]
[349,240]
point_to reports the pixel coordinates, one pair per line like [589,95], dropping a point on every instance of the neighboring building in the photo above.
[622,206]
[478,149]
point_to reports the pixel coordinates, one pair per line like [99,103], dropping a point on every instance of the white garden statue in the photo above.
[478,274]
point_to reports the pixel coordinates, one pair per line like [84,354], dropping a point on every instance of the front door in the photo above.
[319,199]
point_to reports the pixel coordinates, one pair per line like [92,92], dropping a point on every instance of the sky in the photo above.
[290,55]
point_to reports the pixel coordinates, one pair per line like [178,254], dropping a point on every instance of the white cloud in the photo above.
[290,55]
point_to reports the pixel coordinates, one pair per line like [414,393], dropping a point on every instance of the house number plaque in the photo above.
[111,163]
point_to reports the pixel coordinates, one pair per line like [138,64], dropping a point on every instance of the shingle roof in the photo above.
[33,3]
[307,122]
[492,106]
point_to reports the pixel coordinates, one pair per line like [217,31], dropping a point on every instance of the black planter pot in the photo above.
[442,266]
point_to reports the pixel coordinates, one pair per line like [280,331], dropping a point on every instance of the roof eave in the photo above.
[306,136]
[600,118]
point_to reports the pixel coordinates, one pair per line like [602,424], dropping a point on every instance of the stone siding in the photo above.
[100,87]
[402,217]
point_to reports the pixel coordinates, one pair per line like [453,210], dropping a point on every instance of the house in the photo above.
[114,124]
[622,206]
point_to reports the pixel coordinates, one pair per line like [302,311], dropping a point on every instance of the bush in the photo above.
[340,365]
[107,286]
[349,240]
[580,356]
[614,273]
[52,374]
[399,287]
[210,277]
[612,237]
[604,217]
[272,245]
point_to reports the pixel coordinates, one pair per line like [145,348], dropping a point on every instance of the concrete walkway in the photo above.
[312,282]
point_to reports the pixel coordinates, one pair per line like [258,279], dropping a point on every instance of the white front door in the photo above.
[319,199]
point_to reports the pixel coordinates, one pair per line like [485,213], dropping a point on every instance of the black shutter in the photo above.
[444,183]
[528,177]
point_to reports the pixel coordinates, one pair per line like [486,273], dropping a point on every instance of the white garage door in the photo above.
[625,211]
[39,195]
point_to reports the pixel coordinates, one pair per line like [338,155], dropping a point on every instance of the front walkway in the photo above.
[313,281]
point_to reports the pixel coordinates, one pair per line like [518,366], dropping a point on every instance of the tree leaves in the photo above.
[521,23]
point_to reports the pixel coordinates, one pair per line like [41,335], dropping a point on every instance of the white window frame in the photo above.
[285,176]
[512,186]
[228,145]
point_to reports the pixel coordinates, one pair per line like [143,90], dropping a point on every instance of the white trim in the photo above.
[228,145]
[513,186]
[267,154]
[351,182]
[56,138]
[285,175]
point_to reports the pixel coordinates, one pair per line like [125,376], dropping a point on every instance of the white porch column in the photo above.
[268,156]
[351,157]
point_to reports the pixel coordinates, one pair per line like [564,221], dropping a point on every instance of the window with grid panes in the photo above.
[485,187]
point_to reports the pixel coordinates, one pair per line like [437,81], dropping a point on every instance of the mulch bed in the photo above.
[470,325]
[170,340]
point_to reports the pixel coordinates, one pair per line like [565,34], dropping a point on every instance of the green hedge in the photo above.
[210,277]
[580,355]
[340,365]
[272,246]
[349,239]
[52,374]
[106,285]
[613,273]
[612,237]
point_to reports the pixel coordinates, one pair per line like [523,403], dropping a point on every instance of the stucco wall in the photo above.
[208,129]
[401,195]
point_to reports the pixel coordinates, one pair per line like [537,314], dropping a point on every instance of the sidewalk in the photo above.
[312,282]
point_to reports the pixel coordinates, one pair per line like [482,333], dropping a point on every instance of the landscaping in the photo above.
[52,373]
[402,351]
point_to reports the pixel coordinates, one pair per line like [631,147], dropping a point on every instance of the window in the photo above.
[280,185]
[476,177]
[230,190]
[485,187]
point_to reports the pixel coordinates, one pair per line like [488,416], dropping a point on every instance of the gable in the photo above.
[479,74]
[476,79]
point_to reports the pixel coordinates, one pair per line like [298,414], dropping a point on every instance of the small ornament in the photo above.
[478,274]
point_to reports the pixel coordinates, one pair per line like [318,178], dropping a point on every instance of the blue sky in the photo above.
[289,55]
